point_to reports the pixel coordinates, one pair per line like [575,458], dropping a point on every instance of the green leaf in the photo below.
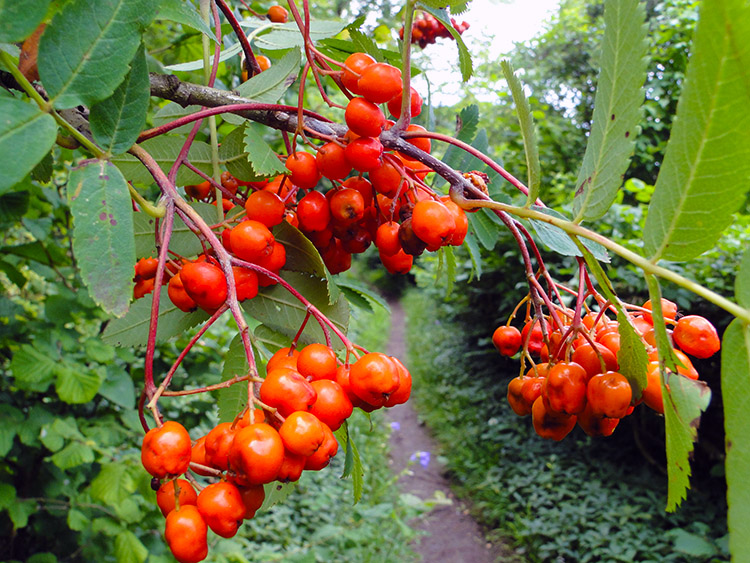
[33,369]
[559,241]
[270,85]
[684,401]
[276,492]
[172,111]
[73,455]
[132,329]
[632,356]
[233,155]
[692,544]
[13,273]
[365,44]
[232,400]
[287,35]
[185,13]
[735,367]
[276,308]
[113,484]
[197,64]
[7,495]
[742,281]
[464,57]
[42,558]
[129,549]
[364,290]
[617,109]
[528,131]
[450,269]
[103,233]
[302,256]
[117,121]
[352,462]
[74,386]
[475,255]
[165,149]
[10,420]
[19,19]
[483,228]
[667,357]
[261,157]
[467,123]
[107,35]
[703,179]
[118,387]
[183,241]
[26,136]
[77,520]
[13,206]
[37,417]
[20,511]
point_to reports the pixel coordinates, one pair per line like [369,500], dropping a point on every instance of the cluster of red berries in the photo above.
[577,379]
[306,395]
[426,29]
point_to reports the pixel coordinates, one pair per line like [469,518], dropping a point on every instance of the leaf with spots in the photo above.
[704,177]
[617,109]
[103,241]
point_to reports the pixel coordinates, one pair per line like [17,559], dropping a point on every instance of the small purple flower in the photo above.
[395,425]
[422,457]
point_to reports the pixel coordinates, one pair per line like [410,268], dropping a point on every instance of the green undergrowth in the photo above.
[575,501]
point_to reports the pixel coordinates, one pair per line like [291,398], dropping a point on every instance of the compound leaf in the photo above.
[617,109]
[704,176]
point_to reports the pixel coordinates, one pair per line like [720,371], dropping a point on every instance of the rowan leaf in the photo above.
[287,36]
[117,121]
[632,357]
[617,109]
[262,158]
[735,367]
[184,13]
[528,131]
[742,281]
[233,154]
[165,149]
[282,312]
[107,36]
[270,85]
[302,256]
[132,329]
[26,136]
[704,176]
[103,233]
[232,400]
[19,19]
[684,401]
[352,462]
[559,241]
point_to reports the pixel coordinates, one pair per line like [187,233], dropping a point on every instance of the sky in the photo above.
[501,22]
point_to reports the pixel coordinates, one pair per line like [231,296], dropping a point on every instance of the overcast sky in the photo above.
[501,21]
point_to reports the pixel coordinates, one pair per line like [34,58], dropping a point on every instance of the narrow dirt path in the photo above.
[452,535]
